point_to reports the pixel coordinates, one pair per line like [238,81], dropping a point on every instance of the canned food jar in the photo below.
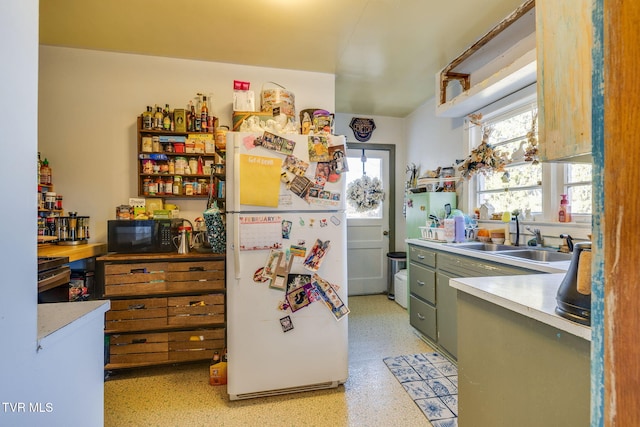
[50,200]
[193,164]
[188,188]
[180,165]
[220,137]
[147,144]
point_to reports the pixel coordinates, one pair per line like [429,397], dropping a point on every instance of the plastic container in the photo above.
[459,228]
[400,288]
[564,214]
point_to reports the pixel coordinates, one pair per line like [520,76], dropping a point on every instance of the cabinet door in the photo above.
[564,41]
[447,314]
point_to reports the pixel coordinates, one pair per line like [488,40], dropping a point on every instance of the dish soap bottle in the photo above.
[564,214]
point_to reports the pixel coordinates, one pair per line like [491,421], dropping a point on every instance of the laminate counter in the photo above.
[460,249]
[533,296]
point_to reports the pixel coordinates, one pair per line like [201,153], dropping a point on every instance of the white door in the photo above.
[368,231]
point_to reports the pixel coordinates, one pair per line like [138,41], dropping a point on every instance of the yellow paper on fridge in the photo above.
[259,180]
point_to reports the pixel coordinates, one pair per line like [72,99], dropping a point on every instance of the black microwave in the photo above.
[142,236]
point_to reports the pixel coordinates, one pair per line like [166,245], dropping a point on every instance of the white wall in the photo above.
[19,382]
[89,102]
[433,141]
[389,130]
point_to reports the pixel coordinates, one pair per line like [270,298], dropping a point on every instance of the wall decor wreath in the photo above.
[365,193]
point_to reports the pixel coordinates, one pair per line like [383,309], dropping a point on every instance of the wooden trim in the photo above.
[502,25]
[621,207]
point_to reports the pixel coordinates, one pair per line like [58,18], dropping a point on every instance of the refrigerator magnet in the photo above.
[334,219]
[298,250]
[286,324]
[316,255]
[286,228]
[323,222]
[258,277]
[298,298]
[271,264]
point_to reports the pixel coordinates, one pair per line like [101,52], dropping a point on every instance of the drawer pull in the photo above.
[420,256]
[138,270]
[136,306]
[139,341]
[420,282]
[421,317]
[196,268]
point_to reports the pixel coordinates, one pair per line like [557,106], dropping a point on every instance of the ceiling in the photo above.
[384,53]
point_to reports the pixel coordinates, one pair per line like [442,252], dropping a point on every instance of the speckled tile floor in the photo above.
[181,395]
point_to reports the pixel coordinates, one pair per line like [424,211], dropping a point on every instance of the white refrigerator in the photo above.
[286,277]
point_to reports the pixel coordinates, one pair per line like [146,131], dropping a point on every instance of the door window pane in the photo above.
[373,169]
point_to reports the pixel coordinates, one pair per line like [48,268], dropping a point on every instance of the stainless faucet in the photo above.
[536,232]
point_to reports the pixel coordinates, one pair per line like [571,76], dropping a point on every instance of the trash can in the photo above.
[396,262]
[400,288]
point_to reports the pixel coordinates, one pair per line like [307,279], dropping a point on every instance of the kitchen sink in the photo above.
[487,247]
[538,255]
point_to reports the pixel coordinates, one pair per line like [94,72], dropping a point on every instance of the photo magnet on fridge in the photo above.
[300,186]
[286,324]
[299,298]
[295,165]
[316,255]
[286,228]
[318,148]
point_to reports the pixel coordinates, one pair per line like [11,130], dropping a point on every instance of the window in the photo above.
[577,184]
[520,186]
[373,168]
[525,185]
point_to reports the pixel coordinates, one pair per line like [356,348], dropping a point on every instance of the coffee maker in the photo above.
[574,294]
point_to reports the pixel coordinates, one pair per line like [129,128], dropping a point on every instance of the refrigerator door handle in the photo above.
[236,244]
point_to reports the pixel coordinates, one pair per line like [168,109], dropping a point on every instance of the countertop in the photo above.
[532,295]
[56,320]
[74,253]
[459,248]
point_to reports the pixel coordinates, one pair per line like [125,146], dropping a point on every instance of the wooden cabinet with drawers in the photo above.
[165,308]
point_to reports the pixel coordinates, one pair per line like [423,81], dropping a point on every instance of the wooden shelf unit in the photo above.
[217,157]
[165,308]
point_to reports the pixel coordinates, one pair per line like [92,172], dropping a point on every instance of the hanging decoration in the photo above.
[531,152]
[362,128]
[484,158]
[365,193]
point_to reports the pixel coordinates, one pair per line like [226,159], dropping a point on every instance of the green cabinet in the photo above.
[433,309]
[530,374]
